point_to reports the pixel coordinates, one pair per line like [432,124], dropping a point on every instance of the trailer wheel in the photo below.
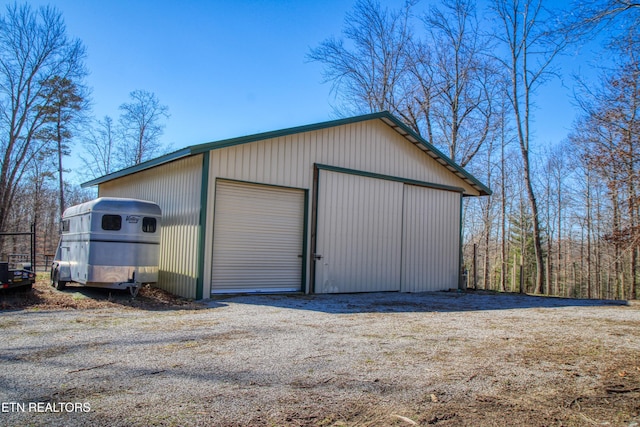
[56,282]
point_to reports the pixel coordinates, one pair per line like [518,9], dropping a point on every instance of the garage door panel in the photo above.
[359,232]
[431,239]
[257,238]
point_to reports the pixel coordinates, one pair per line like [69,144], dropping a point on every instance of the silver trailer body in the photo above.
[108,243]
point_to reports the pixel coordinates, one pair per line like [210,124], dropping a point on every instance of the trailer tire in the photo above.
[55,280]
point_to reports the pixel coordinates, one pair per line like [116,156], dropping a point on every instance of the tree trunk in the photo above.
[537,240]
[503,200]
[60,169]
[617,253]
[559,245]
[588,226]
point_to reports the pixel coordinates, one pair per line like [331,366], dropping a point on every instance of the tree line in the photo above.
[563,217]
[44,106]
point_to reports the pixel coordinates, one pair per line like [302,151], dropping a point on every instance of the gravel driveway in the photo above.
[368,359]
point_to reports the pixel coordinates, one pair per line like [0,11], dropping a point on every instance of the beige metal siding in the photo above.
[369,146]
[175,187]
[359,233]
[257,238]
[431,237]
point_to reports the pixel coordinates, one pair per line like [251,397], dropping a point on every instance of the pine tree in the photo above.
[65,103]
[522,249]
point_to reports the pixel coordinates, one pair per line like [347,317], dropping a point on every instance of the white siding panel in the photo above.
[175,187]
[257,238]
[359,234]
[431,238]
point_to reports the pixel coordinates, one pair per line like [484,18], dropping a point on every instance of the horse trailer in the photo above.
[109,243]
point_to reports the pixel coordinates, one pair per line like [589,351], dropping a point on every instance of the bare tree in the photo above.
[532,44]
[418,109]
[141,126]
[557,172]
[367,72]
[440,86]
[464,79]
[607,136]
[100,147]
[590,15]
[34,47]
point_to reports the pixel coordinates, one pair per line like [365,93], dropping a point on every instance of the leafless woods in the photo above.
[563,217]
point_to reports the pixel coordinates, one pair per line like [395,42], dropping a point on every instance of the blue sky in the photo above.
[231,68]
[224,68]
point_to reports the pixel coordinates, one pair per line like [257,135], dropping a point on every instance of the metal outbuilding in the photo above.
[362,204]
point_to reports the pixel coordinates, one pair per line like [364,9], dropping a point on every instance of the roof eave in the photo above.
[140,167]
[434,153]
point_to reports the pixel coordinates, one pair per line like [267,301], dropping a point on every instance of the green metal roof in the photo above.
[385,116]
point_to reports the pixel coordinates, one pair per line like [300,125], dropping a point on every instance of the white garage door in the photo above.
[359,233]
[431,239]
[257,238]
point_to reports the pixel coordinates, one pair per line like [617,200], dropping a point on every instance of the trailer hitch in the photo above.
[133,290]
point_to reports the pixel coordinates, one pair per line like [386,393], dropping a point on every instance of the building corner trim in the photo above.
[204,193]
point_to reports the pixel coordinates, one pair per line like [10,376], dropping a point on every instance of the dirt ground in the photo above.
[76,297]
[444,359]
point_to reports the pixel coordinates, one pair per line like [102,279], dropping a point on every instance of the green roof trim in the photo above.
[385,116]
[185,152]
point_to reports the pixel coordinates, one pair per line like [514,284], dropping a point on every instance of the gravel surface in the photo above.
[329,360]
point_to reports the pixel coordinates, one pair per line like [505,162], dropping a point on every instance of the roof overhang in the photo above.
[435,154]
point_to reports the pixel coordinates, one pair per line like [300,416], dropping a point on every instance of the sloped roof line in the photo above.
[385,116]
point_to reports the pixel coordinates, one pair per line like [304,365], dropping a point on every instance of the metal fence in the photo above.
[30,258]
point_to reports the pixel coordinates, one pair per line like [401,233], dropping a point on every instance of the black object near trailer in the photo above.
[19,276]
[22,279]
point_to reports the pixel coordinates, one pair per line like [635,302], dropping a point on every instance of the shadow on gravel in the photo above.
[395,302]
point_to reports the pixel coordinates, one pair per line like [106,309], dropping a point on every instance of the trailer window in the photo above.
[65,225]
[111,222]
[148,225]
